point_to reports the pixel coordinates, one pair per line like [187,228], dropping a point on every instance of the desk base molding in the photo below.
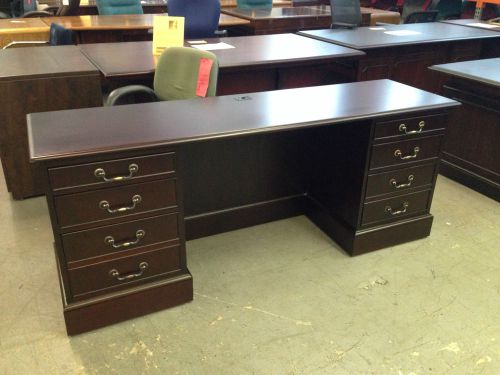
[472,180]
[214,222]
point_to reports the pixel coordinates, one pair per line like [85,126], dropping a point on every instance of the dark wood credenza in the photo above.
[126,186]
[404,52]
[471,153]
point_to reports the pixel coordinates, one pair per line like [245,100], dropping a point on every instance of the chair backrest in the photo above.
[447,9]
[254,4]
[421,17]
[59,35]
[111,7]
[178,73]
[345,13]
[412,6]
[201,17]
[69,10]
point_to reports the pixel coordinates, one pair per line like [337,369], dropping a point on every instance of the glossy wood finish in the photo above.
[27,29]
[270,159]
[471,150]
[293,19]
[405,58]
[256,63]
[37,79]
[490,48]
[118,28]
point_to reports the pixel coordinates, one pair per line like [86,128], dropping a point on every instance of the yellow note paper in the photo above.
[167,32]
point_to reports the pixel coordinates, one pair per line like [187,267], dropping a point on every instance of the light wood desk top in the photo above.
[22,25]
[396,35]
[122,21]
[136,58]
[485,71]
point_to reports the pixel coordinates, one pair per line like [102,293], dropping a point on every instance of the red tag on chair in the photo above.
[203,77]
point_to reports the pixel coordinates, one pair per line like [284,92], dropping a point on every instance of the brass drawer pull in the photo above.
[399,154]
[104,205]
[109,240]
[400,185]
[101,173]
[142,267]
[390,210]
[421,124]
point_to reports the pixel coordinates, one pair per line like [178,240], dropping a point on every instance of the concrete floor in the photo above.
[279,298]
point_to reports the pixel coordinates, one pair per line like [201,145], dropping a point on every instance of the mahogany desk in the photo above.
[257,63]
[293,19]
[405,58]
[127,185]
[118,28]
[32,29]
[489,48]
[471,153]
[36,79]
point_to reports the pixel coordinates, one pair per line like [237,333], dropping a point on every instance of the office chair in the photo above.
[112,7]
[177,77]
[345,14]
[58,36]
[254,4]
[422,17]
[447,9]
[201,17]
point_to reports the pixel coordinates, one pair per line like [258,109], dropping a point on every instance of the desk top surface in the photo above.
[396,35]
[484,71]
[131,58]
[122,21]
[474,23]
[279,12]
[90,131]
[33,62]
[22,25]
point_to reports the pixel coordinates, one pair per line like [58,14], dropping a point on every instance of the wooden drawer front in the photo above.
[101,276]
[73,209]
[115,171]
[410,126]
[400,180]
[403,152]
[395,208]
[124,236]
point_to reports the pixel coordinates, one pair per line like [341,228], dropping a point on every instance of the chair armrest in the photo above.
[220,33]
[25,42]
[37,13]
[126,94]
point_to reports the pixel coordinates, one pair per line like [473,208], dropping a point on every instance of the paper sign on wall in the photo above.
[167,32]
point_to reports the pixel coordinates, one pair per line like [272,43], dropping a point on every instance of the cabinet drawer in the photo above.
[118,238]
[111,203]
[410,126]
[400,180]
[395,208]
[402,152]
[115,274]
[111,172]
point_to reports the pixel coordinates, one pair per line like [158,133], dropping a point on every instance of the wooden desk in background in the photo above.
[257,63]
[89,7]
[118,28]
[198,167]
[489,48]
[471,152]
[293,19]
[37,79]
[404,52]
[32,29]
